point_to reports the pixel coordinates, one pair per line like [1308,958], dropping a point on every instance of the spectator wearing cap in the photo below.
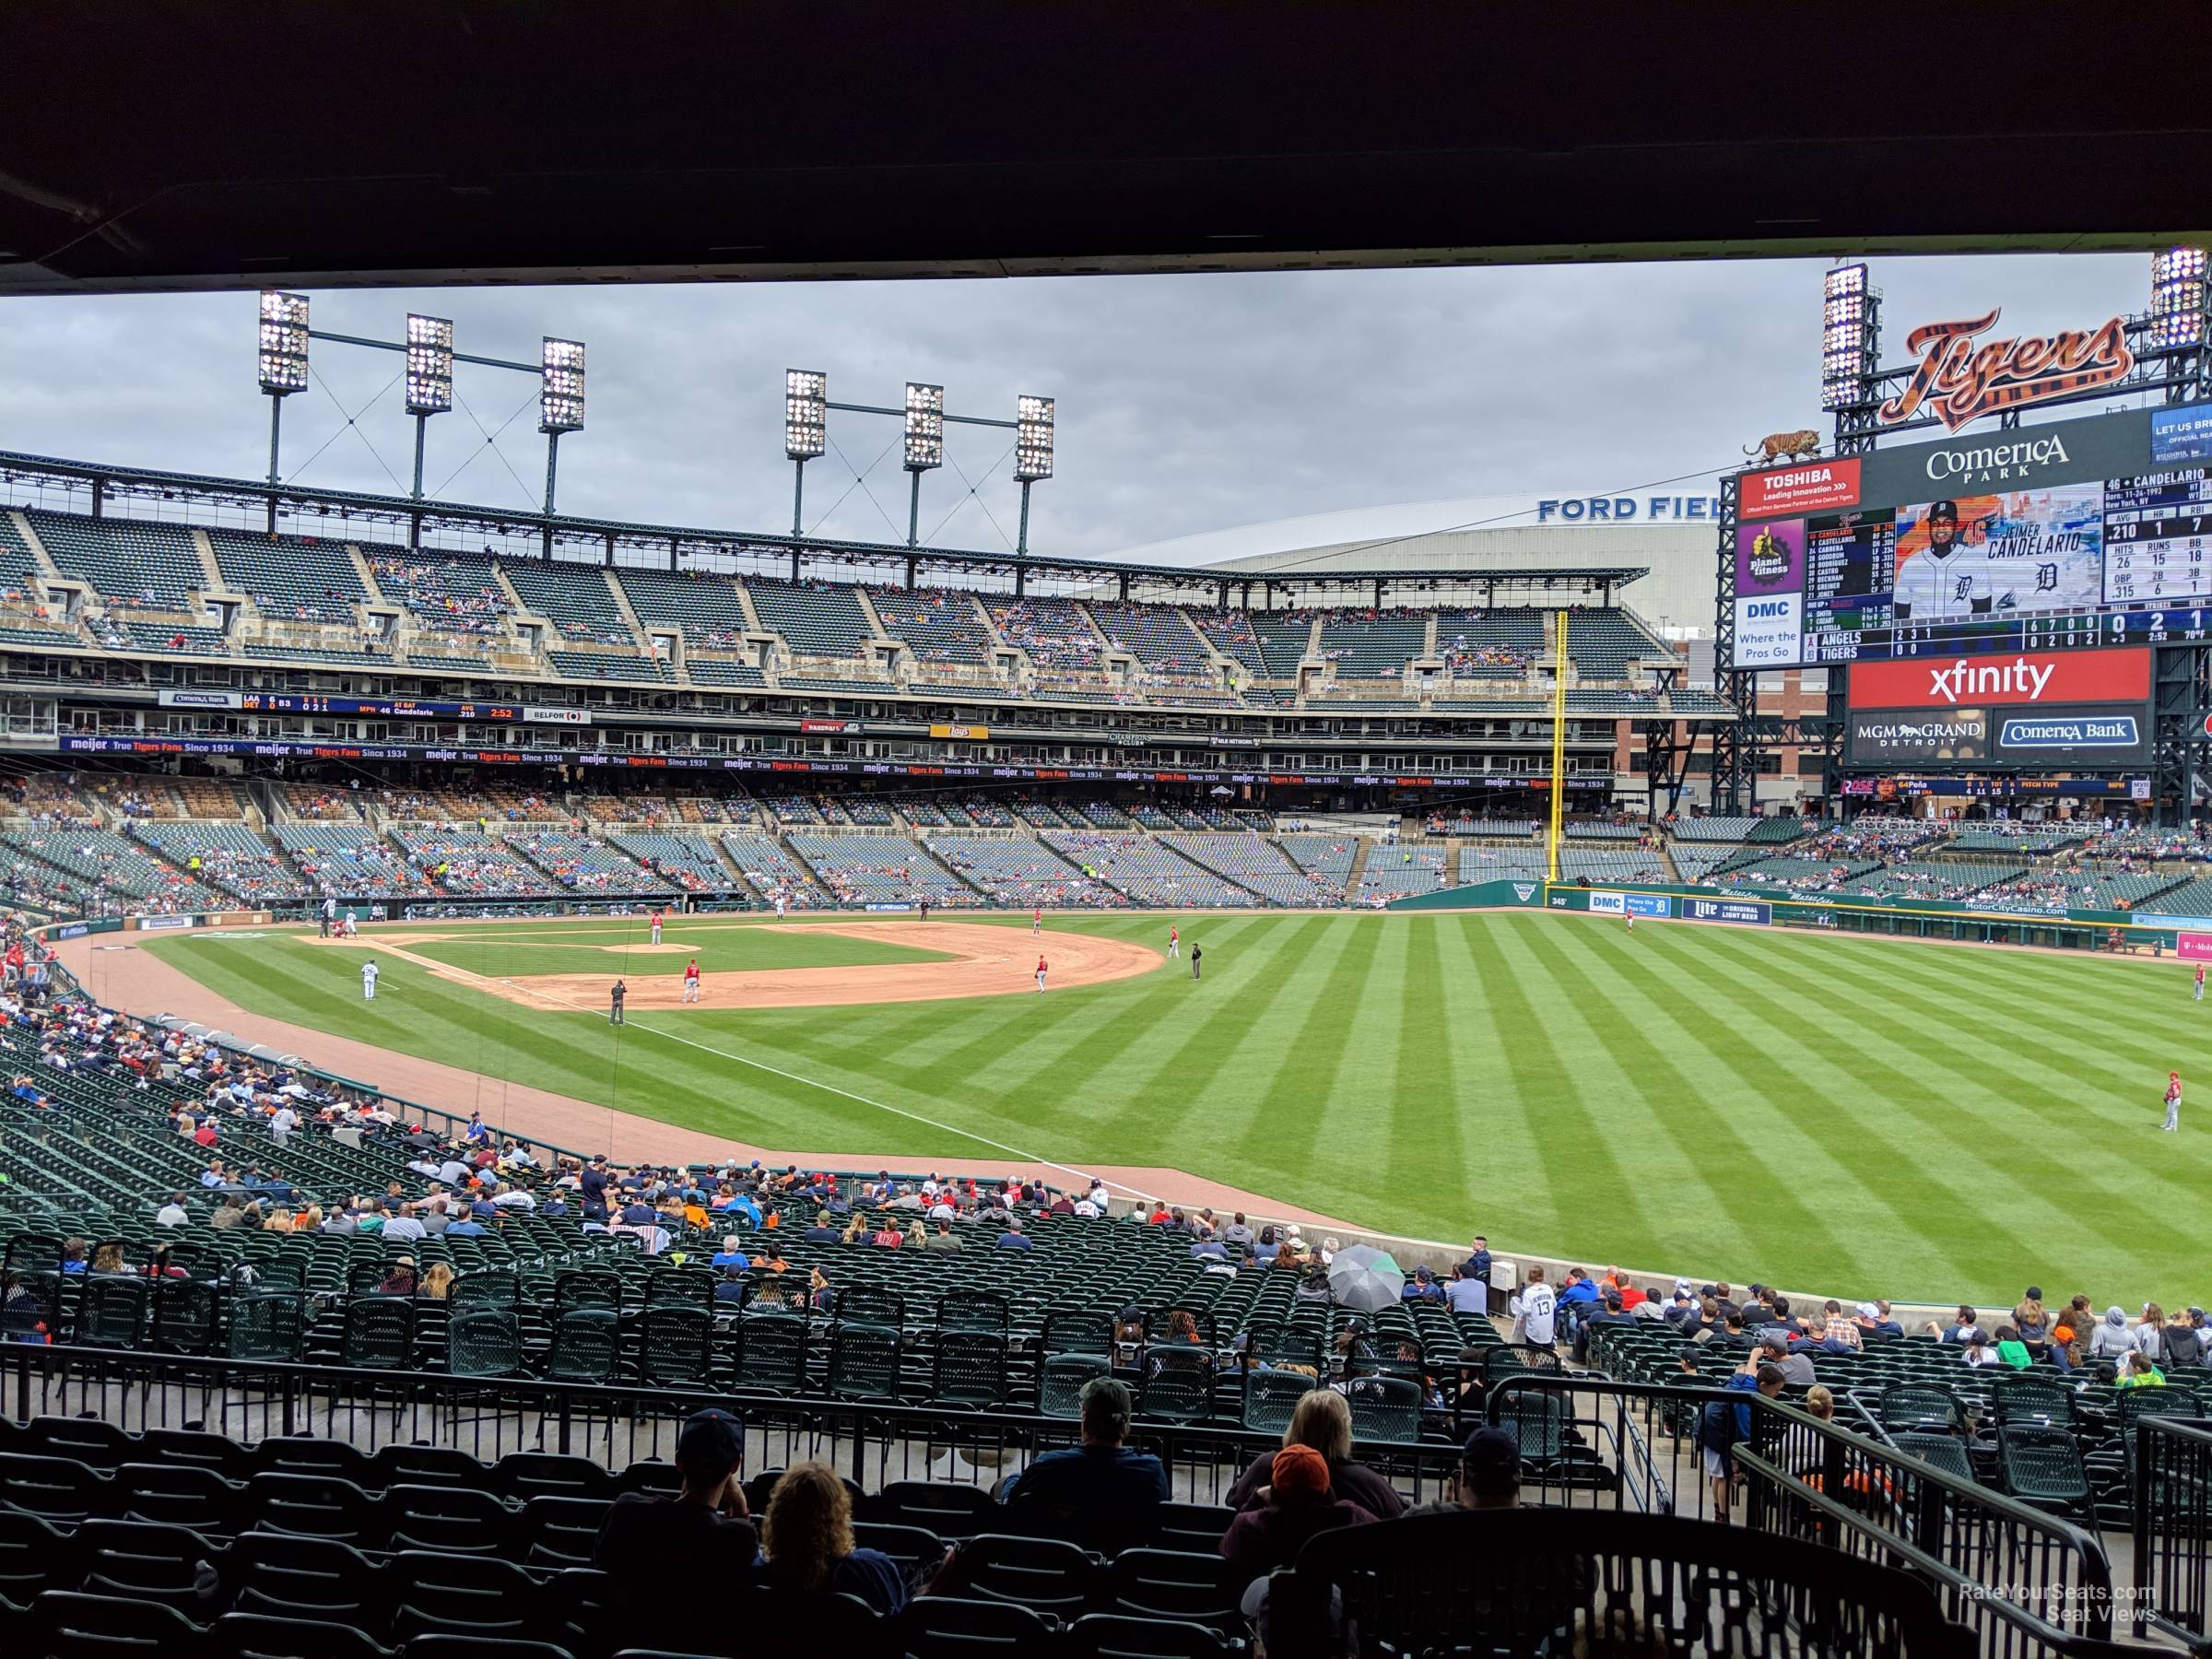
[1297,1502]
[806,1542]
[1014,1238]
[1322,1420]
[668,1551]
[1488,1476]
[1100,1494]
[1797,1368]
[1421,1286]
[1609,1312]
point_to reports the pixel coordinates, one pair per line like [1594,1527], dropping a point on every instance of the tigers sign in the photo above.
[1957,380]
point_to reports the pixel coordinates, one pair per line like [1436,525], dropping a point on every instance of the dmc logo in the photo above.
[1994,461]
[1964,679]
[1958,381]
[1525,891]
[1769,608]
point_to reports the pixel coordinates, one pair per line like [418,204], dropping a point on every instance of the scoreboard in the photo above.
[2158,539]
[2085,533]
[2074,631]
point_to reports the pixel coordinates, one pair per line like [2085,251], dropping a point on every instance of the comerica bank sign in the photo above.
[1616,510]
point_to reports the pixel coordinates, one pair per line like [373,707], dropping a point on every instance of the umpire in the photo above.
[614,1011]
[1195,954]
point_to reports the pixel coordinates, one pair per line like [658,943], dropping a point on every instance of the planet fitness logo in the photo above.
[1768,560]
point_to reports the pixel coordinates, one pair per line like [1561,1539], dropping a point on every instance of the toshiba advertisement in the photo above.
[2025,712]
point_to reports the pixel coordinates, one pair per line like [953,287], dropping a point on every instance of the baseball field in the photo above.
[1901,1119]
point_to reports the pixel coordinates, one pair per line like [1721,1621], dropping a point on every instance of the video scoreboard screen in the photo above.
[2077,533]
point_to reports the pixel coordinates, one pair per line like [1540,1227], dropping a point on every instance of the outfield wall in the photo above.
[1777,907]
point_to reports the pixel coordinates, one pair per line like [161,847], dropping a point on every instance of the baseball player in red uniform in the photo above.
[1041,965]
[656,927]
[1036,920]
[1175,941]
[692,980]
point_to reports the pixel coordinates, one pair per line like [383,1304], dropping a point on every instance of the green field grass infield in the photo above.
[1898,1119]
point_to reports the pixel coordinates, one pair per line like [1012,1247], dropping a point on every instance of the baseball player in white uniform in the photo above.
[369,980]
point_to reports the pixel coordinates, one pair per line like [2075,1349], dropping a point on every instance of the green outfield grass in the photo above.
[1898,1119]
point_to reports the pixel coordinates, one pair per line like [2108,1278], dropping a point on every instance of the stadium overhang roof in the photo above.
[196,146]
[142,483]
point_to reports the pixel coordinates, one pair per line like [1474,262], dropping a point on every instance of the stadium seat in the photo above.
[64,1624]
[586,1346]
[260,1636]
[1118,1636]
[944,1627]
[944,1508]
[1173,1584]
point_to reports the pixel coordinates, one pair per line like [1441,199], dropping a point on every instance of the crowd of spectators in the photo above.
[452,595]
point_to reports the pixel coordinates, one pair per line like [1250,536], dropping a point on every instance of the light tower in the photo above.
[806,429]
[925,446]
[1032,454]
[283,362]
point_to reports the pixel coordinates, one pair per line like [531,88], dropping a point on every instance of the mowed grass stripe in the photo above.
[1629,1024]
[1502,1125]
[1988,1087]
[1568,1134]
[1423,1130]
[1942,1209]
[1782,1115]
[1154,1113]
[1309,1042]
[1096,1034]
[2015,1051]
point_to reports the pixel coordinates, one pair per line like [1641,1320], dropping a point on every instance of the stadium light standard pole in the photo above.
[559,410]
[283,366]
[429,391]
[806,433]
[1032,454]
[925,446]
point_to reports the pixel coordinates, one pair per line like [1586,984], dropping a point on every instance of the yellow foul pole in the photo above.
[1558,731]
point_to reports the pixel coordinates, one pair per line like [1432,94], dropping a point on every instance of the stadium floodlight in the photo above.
[2177,298]
[1846,337]
[283,343]
[1032,439]
[560,386]
[430,389]
[806,414]
[924,427]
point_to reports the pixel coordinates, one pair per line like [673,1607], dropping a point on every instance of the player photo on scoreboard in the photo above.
[2011,553]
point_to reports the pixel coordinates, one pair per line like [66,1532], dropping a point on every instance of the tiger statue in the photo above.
[1787,446]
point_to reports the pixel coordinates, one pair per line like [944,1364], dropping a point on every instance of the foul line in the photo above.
[775,1071]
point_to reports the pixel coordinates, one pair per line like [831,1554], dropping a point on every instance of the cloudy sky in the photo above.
[1185,403]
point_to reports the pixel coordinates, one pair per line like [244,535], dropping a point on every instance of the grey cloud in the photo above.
[1185,403]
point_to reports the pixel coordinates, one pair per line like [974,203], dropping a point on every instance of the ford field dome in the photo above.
[1669,533]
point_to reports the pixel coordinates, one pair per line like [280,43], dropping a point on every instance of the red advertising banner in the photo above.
[1810,486]
[1981,681]
[2193,946]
